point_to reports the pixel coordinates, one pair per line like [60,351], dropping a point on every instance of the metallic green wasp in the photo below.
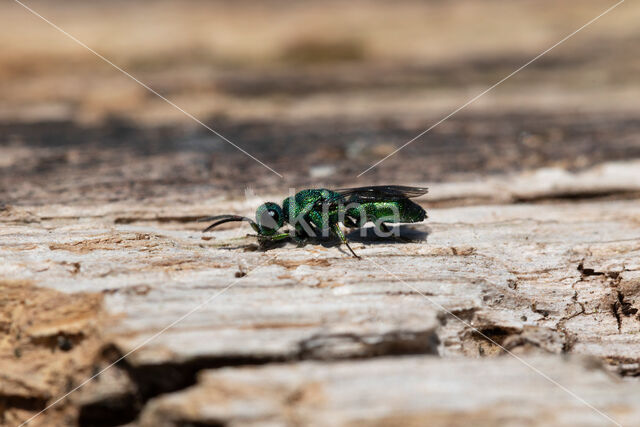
[319,212]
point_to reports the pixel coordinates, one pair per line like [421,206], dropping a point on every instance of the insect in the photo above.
[316,212]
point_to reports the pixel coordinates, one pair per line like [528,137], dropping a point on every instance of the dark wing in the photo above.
[381,192]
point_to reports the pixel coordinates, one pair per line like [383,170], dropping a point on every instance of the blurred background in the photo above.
[319,91]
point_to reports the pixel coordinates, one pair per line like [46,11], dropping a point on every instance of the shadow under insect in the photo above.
[401,233]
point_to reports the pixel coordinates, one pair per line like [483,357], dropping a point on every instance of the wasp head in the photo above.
[269,218]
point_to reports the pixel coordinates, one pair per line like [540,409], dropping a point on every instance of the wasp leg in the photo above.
[350,222]
[268,242]
[274,238]
[384,228]
[299,235]
[336,229]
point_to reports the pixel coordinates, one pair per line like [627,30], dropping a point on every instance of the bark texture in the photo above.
[541,271]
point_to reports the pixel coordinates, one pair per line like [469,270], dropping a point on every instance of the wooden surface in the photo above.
[549,277]
[407,391]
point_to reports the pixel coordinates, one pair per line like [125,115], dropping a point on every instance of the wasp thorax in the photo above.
[269,218]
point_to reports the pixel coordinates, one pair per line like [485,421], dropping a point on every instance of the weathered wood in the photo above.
[551,276]
[410,391]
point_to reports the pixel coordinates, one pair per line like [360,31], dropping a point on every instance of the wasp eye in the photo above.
[274,214]
[269,218]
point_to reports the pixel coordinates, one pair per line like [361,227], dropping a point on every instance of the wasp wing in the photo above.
[372,194]
[381,192]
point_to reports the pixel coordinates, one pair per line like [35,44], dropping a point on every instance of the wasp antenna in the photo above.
[216,217]
[221,219]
